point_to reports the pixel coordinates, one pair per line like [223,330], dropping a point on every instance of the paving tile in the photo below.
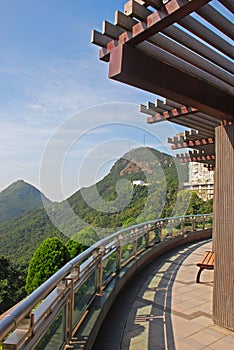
[185,344]
[204,337]
[203,320]
[222,330]
[229,339]
[222,344]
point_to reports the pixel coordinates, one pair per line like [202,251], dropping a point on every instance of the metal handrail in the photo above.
[97,253]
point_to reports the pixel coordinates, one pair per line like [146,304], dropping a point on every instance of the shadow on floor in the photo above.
[125,321]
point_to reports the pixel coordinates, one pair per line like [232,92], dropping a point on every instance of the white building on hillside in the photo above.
[200,180]
[139,183]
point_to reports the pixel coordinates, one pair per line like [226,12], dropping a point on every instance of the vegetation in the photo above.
[74,248]
[49,257]
[198,206]
[12,284]
[20,237]
[18,199]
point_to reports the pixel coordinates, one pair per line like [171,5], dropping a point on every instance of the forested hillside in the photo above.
[107,206]
[18,199]
[89,214]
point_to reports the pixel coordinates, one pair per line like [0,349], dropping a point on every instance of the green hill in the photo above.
[18,199]
[109,205]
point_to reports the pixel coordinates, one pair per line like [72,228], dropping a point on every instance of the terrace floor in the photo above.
[163,308]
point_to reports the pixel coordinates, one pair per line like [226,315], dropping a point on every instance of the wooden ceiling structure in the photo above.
[183,50]
[201,139]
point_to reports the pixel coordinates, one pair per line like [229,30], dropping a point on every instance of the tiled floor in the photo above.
[163,308]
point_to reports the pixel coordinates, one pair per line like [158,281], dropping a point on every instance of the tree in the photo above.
[74,248]
[87,236]
[129,222]
[49,257]
[11,284]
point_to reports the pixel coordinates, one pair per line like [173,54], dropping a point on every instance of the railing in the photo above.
[49,317]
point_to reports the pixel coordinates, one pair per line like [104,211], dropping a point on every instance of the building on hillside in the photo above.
[139,183]
[201,180]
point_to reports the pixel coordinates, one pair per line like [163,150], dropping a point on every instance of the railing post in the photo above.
[193,223]
[204,222]
[160,230]
[134,233]
[75,274]
[148,229]
[69,312]
[27,325]
[99,276]
[182,226]
[119,253]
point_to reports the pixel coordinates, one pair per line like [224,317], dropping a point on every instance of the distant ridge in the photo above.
[103,205]
[18,199]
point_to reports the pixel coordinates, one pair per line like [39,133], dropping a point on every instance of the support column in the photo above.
[223,228]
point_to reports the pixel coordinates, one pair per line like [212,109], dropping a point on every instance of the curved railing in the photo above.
[53,313]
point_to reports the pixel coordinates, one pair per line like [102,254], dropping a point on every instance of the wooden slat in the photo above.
[99,38]
[217,20]
[167,115]
[186,55]
[111,30]
[195,27]
[154,3]
[133,9]
[180,64]
[229,4]
[187,40]
[193,44]
[172,12]
[124,21]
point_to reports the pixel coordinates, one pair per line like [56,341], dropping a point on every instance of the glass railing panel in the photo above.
[166,229]
[54,338]
[176,227]
[109,266]
[199,223]
[209,221]
[127,251]
[141,243]
[83,296]
[154,235]
[188,225]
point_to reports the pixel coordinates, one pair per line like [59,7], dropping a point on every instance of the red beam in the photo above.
[133,67]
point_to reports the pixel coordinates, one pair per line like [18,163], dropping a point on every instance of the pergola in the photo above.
[201,139]
[182,50]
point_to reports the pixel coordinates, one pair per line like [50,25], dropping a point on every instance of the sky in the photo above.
[63,123]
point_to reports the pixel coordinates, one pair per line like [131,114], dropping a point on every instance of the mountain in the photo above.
[107,206]
[18,199]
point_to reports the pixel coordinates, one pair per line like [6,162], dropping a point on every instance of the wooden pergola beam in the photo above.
[130,66]
[191,144]
[173,113]
[168,14]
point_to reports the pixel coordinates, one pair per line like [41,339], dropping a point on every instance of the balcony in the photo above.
[70,307]
[164,308]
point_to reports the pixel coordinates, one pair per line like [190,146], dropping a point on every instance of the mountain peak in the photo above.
[19,198]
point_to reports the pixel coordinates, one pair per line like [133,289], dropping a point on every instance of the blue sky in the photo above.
[62,121]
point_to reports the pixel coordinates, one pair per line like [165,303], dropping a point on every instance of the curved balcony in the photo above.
[75,300]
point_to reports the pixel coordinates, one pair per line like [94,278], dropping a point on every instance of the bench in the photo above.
[207,262]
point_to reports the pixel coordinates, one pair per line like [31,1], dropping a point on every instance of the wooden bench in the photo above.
[207,262]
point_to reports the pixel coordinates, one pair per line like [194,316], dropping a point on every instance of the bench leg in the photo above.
[198,275]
